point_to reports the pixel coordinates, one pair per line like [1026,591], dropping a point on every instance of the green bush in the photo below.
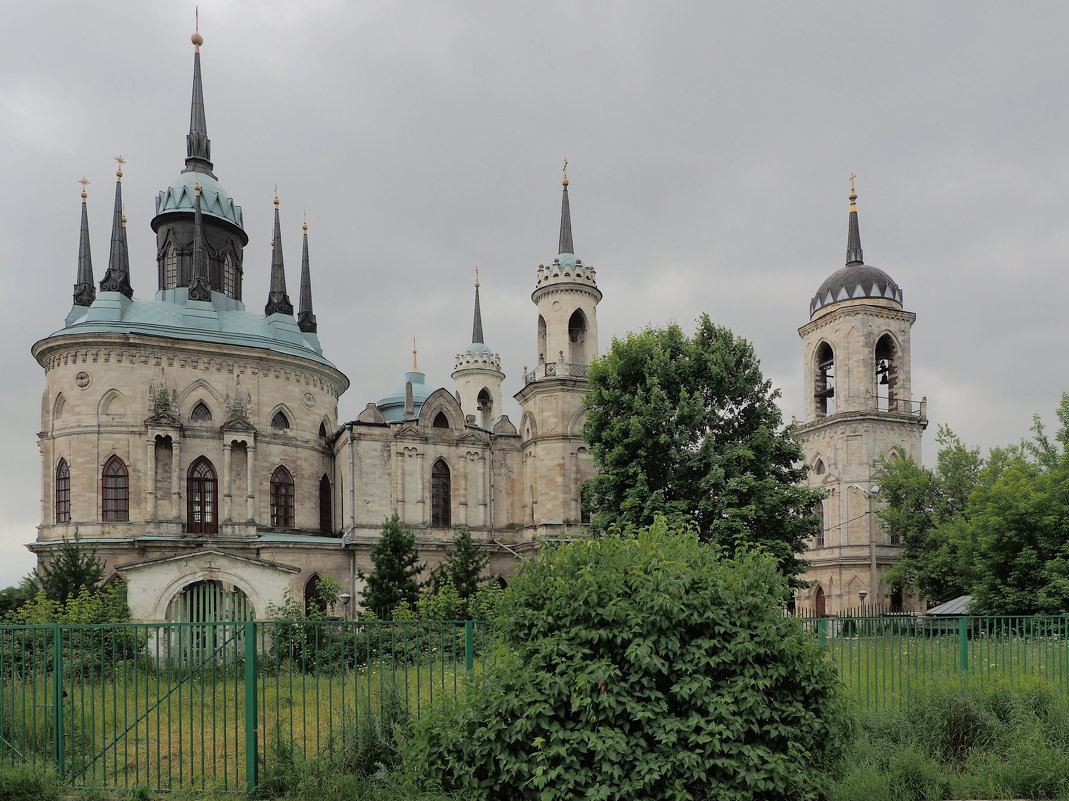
[20,782]
[959,737]
[643,667]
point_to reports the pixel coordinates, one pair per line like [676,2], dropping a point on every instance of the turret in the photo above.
[85,290]
[478,374]
[278,301]
[306,319]
[117,278]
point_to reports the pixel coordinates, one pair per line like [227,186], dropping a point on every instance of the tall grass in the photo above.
[1004,737]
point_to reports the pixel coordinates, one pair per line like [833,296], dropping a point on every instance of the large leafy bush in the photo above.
[649,666]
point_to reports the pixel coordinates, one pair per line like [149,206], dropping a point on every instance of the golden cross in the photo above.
[565,168]
[83,182]
[120,160]
[476,276]
[196,13]
[852,177]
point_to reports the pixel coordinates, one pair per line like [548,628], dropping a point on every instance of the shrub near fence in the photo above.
[185,705]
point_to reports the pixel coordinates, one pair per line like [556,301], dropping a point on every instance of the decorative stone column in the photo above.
[176,485]
[227,488]
[250,482]
[421,500]
[150,483]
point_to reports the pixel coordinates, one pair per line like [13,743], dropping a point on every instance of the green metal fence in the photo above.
[200,705]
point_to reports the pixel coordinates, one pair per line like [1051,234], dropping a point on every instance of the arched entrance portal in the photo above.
[203,615]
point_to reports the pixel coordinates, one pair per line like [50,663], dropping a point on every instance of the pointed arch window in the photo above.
[577,329]
[326,506]
[440,421]
[886,374]
[282,498]
[63,492]
[230,273]
[170,266]
[819,467]
[441,491]
[201,413]
[115,491]
[313,597]
[280,422]
[818,539]
[824,380]
[819,605]
[541,338]
[202,498]
[486,407]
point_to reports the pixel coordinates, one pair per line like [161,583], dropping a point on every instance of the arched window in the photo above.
[818,540]
[440,495]
[886,375]
[230,275]
[280,421]
[541,338]
[170,266]
[63,492]
[281,498]
[115,491]
[202,498]
[486,407]
[819,467]
[313,598]
[440,421]
[200,414]
[819,608]
[824,383]
[323,430]
[577,328]
[326,506]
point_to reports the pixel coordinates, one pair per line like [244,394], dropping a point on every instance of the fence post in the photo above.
[251,749]
[963,643]
[469,645]
[822,630]
[57,699]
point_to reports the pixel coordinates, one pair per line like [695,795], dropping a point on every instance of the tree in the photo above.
[11,598]
[464,564]
[641,666]
[393,578]
[927,511]
[688,428]
[72,568]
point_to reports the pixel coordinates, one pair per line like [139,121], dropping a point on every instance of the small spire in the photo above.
[306,320]
[565,245]
[477,325]
[854,254]
[278,302]
[198,145]
[415,366]
[85,290]
[199,287]
[117,277]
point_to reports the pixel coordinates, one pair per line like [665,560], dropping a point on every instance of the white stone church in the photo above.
[197,445]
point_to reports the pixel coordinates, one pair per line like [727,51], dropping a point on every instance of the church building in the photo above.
[196,443]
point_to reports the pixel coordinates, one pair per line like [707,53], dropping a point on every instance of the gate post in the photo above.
[469,645]
[251,723]
[963,643]
[57,699]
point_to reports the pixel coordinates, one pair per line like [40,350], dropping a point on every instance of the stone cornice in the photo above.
[860,310]
[893,419]
[566,288]
[133,349]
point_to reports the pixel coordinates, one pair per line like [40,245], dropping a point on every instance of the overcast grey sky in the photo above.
[709,148]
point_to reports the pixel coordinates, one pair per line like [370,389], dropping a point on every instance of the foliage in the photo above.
[958,738]
[104,605]
[71,569]
[463,565]
[447,604]
[20,782]
[396,565]
[926,510]
[11,598]
[646,666]
[308,645]
[688,428]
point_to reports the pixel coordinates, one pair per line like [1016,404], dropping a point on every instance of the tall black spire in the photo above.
[117,278]
[198,145]
[278,302]
[566,245]
[85,290]
[477,325]
[306,320]
[199,288]
[853,234]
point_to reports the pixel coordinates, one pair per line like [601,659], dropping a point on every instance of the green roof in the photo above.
[214,200]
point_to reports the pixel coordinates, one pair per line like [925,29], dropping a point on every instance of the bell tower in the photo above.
[860,412]
[555,458]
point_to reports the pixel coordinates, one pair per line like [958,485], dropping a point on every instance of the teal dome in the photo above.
[393,405]
[478,349]
[214,200]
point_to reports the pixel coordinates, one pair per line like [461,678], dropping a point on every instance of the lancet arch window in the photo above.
[280,422]
[230,275]
[282,510]
[202,498]
[63,492]
[485,403]
[886,374]
[326,506]
[314,602]
[824,380]
[440,421]
[818,539]
[170,266]
[577,329]
[541,338]
[115,491]
[441,491]
[201,413]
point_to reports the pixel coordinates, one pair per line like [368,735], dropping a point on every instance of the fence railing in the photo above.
[200,705]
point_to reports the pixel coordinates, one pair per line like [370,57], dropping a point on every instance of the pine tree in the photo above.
[72,569]
[396,565]
[464,563]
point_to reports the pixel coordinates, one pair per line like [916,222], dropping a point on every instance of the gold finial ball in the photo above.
[197,39]
[196,189]
[853,196]
[124,221]
[84,195]
[304,227]
[564,181]
[276,201]
[118,173]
